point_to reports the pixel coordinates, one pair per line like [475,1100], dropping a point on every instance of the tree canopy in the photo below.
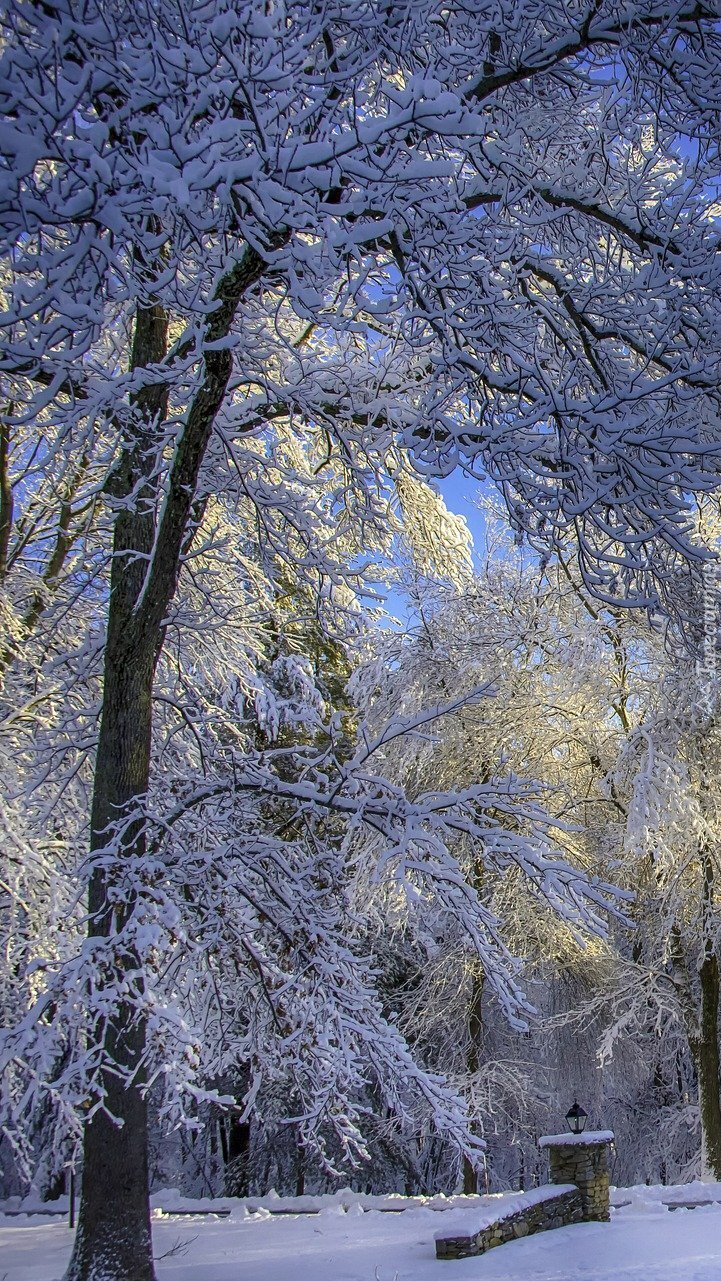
[267,271]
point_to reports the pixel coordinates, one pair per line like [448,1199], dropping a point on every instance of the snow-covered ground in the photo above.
[347,1242]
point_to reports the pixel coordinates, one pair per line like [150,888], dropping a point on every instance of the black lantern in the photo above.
[576,1118]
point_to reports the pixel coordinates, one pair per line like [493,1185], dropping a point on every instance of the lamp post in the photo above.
[582,1158]
[576,1118]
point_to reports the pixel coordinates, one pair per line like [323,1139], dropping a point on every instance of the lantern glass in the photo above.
[576,1118]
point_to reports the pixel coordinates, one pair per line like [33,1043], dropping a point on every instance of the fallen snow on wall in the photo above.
[590,1139]
[643,1242]
[489,1210]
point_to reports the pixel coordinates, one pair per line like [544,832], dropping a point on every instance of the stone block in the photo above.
[571,1160]
[555,1209]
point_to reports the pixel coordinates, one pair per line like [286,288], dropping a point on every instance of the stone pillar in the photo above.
[582,1159]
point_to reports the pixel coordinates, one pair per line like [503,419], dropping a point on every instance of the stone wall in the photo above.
[582,1160]
[545,1208]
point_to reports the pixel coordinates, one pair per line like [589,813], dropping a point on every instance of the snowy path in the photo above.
[643,1243]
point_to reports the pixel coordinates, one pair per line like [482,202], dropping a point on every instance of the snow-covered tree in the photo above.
[467,237]
[666,993]
[256,663]
[557,716]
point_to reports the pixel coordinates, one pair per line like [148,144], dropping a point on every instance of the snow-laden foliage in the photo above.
[263,267]
[488,235]
[666,989]
[233,937]
[248,943]
[525,635]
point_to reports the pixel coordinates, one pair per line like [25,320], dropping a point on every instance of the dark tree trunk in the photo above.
[114,1219]
[113,1241]
[702,1024]
[706,1047]
[300,1169]
[475,1030]
[236,1153]
[706,1057]
[704,1040]
[707,1053]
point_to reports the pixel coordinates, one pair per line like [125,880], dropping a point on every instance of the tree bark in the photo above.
[475,1031]
[705,1046]
[237,1153]
[300,1169]
[703,1023]
[706,1056]
[113,1240]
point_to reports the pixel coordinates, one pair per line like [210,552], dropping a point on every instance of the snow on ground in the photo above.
[644,1242]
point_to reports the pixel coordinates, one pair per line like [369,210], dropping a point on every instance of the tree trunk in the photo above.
[706,1056]
[300,1169]
[114,1220]
[237,1153]
[475,1030]
[113,1239]
[703,1029]
[470,1177]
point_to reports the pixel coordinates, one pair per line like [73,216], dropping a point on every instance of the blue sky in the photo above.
[462,495]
